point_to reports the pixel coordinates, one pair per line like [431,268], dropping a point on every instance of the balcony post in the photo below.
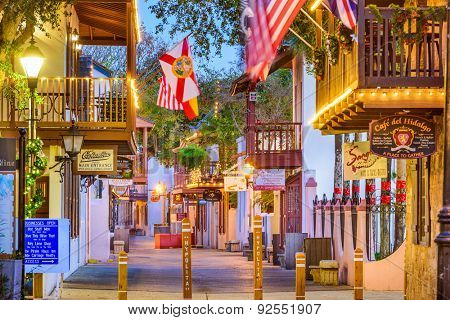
[251,118]
[131,69]
[360,60]
[443,238]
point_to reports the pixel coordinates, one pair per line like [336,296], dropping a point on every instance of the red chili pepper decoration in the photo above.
[355,188]
[337,190]
[385,186]
[401,184]
[385,199]
[371,188]
[401,197]
[346,192]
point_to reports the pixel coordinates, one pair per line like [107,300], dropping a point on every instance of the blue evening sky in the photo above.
[223,61]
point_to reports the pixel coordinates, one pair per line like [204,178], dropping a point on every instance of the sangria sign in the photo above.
[97,161]
[360,163]
[403,137]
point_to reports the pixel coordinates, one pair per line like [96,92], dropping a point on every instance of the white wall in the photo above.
[99,234]
[157,173]
[318,150]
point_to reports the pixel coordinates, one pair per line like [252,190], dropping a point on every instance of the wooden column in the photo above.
[443,238]
[123,276]
[300,276]
[187,266]
[251,118]
[144,145]
[358,290]
[257,258]
[131,68]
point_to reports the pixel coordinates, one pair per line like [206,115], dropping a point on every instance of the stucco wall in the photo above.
[420,260]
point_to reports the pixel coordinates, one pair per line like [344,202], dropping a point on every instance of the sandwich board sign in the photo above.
[47,245]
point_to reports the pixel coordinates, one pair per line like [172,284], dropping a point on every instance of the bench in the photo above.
[315,272]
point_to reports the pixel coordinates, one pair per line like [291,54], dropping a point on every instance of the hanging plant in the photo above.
[265,201]
[319,63]
[37,163]
[345,38]
[193,156]
[332,49]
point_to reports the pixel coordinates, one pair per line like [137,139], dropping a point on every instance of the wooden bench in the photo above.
[315,272]
[329,272]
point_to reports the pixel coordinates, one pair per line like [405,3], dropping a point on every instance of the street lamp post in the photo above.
[161,189]
[32,61]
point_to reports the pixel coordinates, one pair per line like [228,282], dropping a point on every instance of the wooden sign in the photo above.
[257,258]
[8,155]
[212,195]
[178,198]
[361,163]
[186,251]
[96,161]
[181,216]
[124,168]
[403,137]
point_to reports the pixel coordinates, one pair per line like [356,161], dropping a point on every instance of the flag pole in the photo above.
[302,39]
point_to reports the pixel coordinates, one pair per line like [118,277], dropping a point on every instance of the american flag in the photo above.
[345,10]
[269,24]
[166,98]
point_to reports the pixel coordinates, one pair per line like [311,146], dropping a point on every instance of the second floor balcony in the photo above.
[206,176]
[274,145]
[385,71]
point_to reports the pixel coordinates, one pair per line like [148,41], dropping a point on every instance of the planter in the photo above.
[10,279]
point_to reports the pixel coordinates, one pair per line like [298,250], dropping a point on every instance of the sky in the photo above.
[217,62]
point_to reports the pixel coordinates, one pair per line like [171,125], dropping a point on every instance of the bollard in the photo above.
[187,266]
[38,286]
[257,258]
[123,276]
[300,276]
[358,290]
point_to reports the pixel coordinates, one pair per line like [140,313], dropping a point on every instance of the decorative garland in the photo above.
[35,170]
[345,38]
[319,63]
[401,15]
[332,49]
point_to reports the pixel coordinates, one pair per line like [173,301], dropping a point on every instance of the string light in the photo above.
[315,5]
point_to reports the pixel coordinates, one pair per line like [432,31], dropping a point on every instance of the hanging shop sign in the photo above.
[235,183]
[7,155]
[403,137]
[178,198]
[124,168]
[212,195]
[97,161]
[269,179]
[360,163]
[154,196]
[120,182]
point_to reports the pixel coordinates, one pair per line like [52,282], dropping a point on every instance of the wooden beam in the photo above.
[102,42]
[103,1]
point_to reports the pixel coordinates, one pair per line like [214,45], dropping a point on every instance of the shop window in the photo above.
[421,217]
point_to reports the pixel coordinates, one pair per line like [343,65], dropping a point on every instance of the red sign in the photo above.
[154,197]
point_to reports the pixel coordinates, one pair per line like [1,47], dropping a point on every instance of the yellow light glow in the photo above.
[396,93]
[384,94]
[372,94]
[431,93]
[315,5]
[135,93]
[346,93]
[419,93]
[361,94]
[408,93]
[137,23]
[160,188]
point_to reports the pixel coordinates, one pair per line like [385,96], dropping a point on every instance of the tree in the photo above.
[18,21]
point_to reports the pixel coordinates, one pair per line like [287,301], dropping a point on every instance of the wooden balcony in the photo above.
[274,145]
[139,169]
[101,107]
[193,181]
[383,74]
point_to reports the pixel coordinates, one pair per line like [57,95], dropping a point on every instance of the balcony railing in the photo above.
[275,145]
[139,170]
[382,59]
[139,192]
[92,102]
[210,172]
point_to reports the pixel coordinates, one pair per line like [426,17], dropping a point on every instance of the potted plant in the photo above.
[191,157]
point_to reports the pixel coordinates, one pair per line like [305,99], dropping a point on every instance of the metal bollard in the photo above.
[300,276]
[187,264]
[358,290]
[123,276]
[257,258]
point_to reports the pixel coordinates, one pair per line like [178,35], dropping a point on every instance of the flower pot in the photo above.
[10,279]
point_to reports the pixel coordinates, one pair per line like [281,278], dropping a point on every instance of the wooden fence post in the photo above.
[187,266]
[123,276]
[358,290]
[257,258]
[300,276]
[38,286]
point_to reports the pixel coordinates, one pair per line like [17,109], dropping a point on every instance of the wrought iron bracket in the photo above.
[61,161]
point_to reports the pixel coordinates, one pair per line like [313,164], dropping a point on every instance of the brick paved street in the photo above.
[156,274]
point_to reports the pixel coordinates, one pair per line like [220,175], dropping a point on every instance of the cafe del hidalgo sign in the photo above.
[402,137]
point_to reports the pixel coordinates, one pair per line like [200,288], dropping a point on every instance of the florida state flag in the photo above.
[178,68]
